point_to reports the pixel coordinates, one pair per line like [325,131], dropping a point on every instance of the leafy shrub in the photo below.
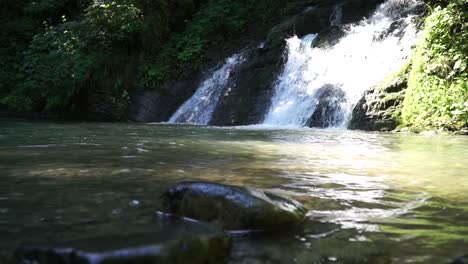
[111,21]
[438,87]
[214,23]
[53,68]
[70,46]
[60,61]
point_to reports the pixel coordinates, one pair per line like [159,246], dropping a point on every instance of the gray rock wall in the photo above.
[248,95]
[380,107]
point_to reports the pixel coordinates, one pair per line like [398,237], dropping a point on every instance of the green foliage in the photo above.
[214,23]
[109,22]
[52,70]
[438,82]
[45,9]
[60,61]
[54,51]
[16,32]
[51,11]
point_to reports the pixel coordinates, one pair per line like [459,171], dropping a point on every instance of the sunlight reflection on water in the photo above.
[359,187]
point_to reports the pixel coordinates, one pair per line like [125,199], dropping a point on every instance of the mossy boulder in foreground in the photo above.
[174,242]
[233,207]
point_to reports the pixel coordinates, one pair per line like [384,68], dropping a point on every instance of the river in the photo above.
[372,197]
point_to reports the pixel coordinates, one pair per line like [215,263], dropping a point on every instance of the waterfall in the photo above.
[320,85]
[199,108]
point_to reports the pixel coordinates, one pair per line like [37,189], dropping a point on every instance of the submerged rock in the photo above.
[176,243]
[233,207]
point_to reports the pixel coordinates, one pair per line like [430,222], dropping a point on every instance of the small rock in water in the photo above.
[177,242]
[233,207]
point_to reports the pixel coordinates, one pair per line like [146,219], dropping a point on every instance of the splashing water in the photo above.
[325,83]
[199,108]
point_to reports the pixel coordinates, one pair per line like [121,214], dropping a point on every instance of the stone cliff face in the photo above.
[380,107]
[249,91]
[159,105]
[249,97]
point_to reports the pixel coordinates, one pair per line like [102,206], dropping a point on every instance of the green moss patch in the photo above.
[437,96]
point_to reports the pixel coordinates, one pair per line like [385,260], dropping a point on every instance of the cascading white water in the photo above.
[199,108]
[370,51]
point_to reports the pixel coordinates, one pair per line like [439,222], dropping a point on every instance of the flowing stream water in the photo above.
[322,81]
[371,197]
[335,77]
[199,108]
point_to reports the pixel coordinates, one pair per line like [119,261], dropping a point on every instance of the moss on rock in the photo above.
[380,107]
[437,95]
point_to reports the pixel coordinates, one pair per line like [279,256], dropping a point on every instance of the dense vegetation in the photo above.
[61,55]
[55,51]
[437,94]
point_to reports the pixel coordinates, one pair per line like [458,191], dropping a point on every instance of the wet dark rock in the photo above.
[248,96]
[233,207]
[329,37]
[158,105]
[98,102]
[330,107]
[398,27]
[175,243]
[380,107]
[461,260]
[355,10]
